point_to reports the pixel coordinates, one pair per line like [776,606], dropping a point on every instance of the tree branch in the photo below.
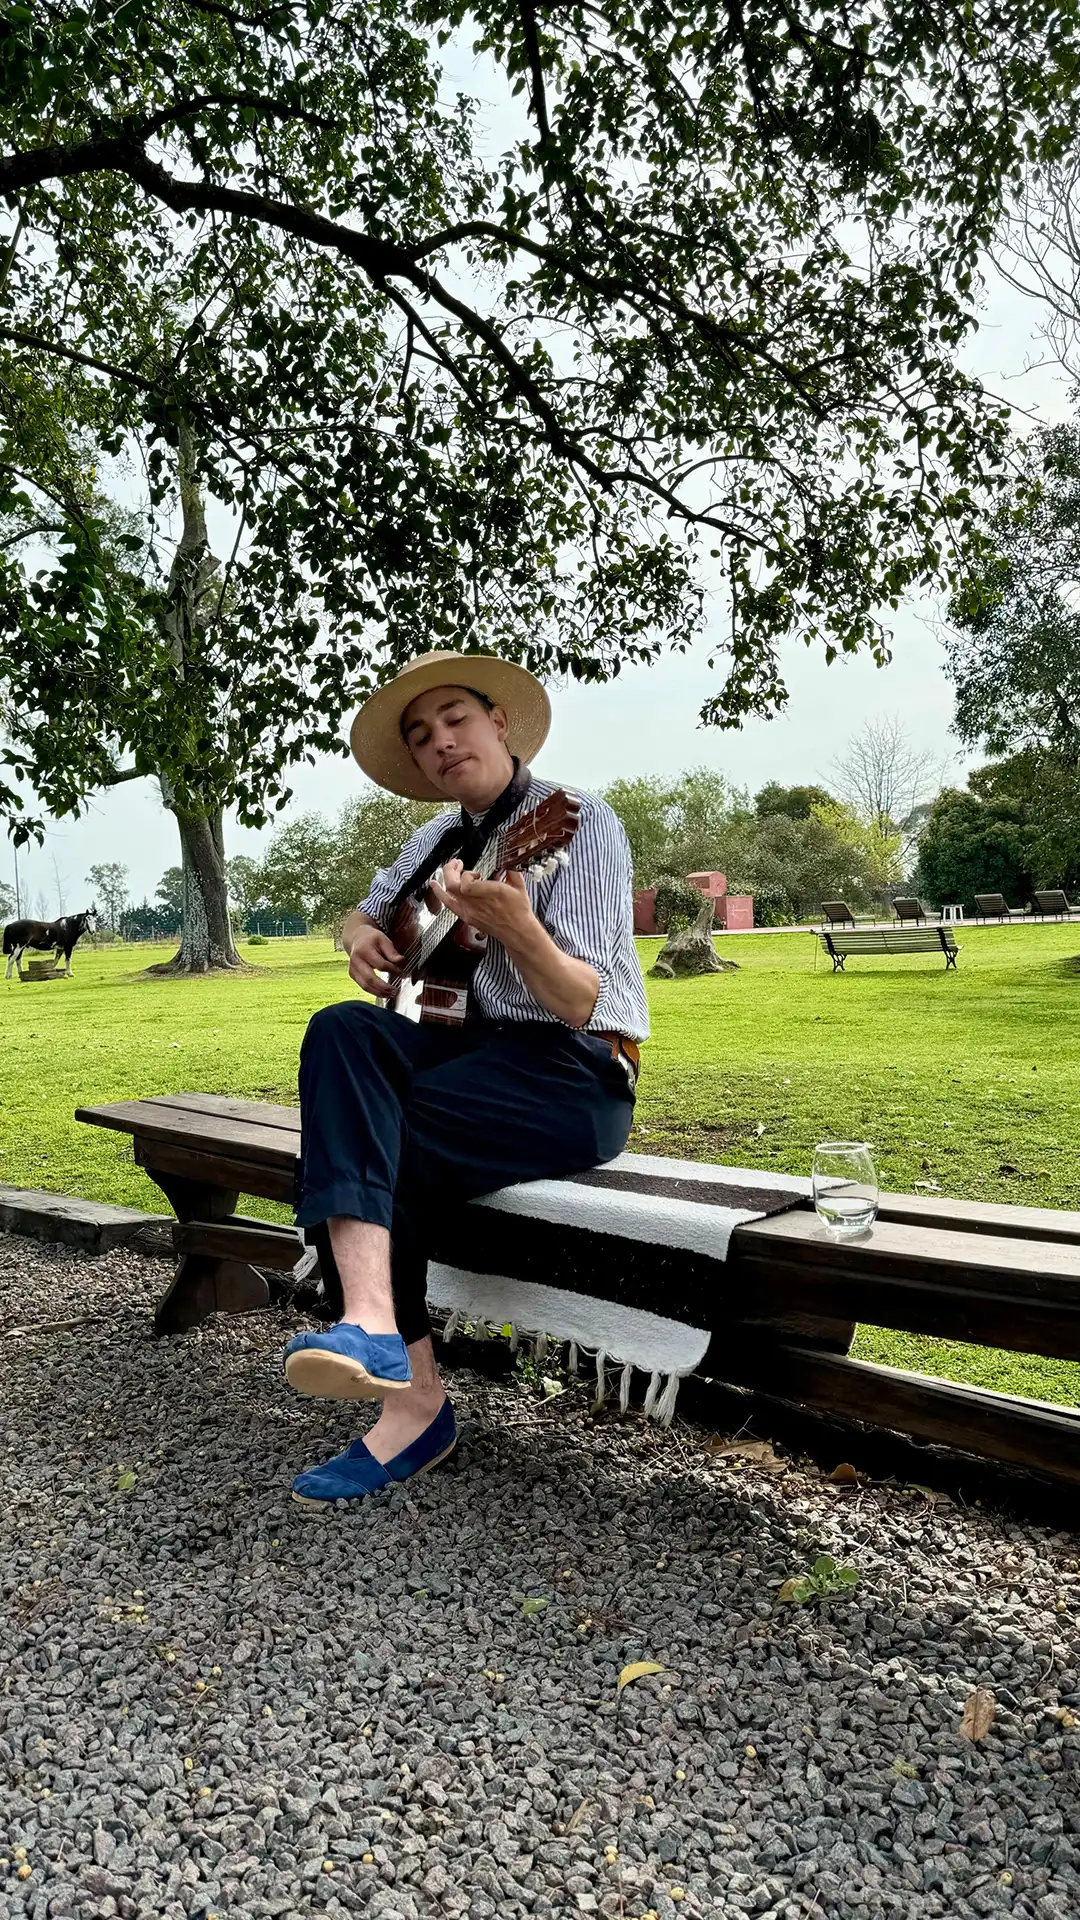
[531,38]
[40,345]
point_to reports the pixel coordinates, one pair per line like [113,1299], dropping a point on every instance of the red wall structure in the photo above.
[732,911]
[644,902]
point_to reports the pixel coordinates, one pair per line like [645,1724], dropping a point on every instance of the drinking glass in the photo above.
[845,1185]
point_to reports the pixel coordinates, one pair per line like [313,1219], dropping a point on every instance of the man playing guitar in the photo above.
[521,1067]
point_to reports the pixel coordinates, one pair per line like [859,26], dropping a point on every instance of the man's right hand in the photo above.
[370,949]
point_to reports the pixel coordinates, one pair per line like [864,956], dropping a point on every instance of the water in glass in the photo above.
[845,1185]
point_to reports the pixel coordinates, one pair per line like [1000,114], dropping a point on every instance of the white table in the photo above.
[952,913]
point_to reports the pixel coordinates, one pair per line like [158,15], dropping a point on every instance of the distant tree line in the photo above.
[791,847]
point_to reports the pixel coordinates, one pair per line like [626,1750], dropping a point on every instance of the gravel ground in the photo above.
[213,1702]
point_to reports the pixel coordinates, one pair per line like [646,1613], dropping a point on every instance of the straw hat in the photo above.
[376,732]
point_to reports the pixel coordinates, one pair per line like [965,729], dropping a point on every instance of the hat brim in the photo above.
[376,739]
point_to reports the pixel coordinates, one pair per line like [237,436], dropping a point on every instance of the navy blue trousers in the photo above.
[400,1119]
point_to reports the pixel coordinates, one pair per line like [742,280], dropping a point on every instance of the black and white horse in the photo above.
[40,935]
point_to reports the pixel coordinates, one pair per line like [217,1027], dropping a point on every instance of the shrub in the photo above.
[676,906]
[773,906]
[257,940]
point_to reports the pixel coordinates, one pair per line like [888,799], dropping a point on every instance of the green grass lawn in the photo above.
[967,1082]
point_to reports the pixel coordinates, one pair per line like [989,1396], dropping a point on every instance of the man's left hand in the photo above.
[499,908]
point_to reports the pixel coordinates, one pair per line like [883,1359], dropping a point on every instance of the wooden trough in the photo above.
[40,970]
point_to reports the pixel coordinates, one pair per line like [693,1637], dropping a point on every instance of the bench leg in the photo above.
[203,1283]
[950,961]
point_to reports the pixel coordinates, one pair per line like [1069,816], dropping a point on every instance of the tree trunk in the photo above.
[206,931]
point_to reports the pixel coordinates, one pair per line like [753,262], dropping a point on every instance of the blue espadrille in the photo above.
[354,1474]
[345,1363]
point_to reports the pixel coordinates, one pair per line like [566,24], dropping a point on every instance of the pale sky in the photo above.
[646,721]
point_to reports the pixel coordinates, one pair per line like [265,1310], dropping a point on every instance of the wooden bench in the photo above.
[840,946]
[781,1308]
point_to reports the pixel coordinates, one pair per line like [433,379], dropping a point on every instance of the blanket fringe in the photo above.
[660,1397]
[665,1406]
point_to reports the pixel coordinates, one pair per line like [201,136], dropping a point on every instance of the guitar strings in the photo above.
[487,863]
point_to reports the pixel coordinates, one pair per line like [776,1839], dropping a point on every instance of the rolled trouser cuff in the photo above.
[349,1200]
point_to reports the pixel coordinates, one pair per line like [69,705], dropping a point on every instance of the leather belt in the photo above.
[627,1052]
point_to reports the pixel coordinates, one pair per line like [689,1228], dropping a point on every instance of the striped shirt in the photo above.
[587,907]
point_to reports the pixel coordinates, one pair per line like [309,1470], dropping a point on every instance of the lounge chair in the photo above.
[1051,903]
[838,913]
[992,906]
[909,910]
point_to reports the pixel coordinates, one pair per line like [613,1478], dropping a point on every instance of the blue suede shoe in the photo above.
[354,1474]
[345,1363]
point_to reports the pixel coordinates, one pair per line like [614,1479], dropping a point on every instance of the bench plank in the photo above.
[991,1290]
[158,1120]
[980,1216]
[261,1180]
[230,1107]
[1025,1433]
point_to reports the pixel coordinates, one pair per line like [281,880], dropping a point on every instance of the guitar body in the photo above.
[438,990]
[441,952]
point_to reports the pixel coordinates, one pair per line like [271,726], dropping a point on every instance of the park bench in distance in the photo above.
[1051,904]
[839,946]
[838,913]
[782,1308]
[992,906]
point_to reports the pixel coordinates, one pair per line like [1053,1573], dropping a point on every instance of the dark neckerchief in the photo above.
[465,838]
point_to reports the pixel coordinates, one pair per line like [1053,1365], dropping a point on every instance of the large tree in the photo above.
[1014,652]
[675,826]
[974,843]
[702,312]
[322,869]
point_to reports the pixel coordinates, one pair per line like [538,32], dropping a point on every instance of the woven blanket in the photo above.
[624,1263]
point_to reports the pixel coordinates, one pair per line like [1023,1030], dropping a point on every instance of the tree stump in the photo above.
[691,950]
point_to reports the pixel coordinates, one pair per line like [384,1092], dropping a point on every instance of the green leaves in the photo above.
[708,301]
[824,1579]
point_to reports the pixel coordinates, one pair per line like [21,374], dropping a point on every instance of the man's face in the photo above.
[459,744]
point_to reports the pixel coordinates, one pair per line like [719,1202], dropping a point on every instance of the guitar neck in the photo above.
[444,922]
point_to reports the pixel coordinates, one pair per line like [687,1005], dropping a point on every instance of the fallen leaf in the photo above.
[757,1453]
[931,1494]
[793,1592]
[125,1481]
[583,1807]
[551,1387]
[534,1605]
[637,1671]
[845,1475]
[979,1710]
[904,1768]
[1063,1716]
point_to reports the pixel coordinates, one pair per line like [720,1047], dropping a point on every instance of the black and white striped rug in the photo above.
[624,1263]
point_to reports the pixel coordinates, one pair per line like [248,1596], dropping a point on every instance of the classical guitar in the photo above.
[439,952]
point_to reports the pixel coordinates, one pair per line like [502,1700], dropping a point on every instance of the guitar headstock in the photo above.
[539,842]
